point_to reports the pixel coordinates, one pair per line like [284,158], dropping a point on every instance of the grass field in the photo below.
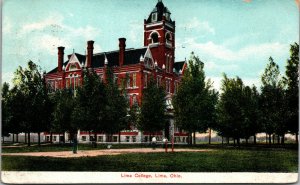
[222,159]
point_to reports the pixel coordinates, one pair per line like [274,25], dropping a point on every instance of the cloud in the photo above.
[7,77]
[54,21]
[88,32]
[196,25]
[219,51]
[135,33]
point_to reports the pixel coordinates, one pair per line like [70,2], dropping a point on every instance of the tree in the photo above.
[31,89]
[116,106]
[250,113]
[272,101]
[6,115]
[152,112]
[62,112]
[195,101]
[230,108]
[291,80]
[89,104]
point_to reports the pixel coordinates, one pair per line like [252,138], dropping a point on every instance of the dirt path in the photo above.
[92,153]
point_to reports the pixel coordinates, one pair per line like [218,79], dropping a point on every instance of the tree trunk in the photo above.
[39,139]
[222,140]
[119,137]
[13,138]
[64,139]
[228,140]
[270,139]
[190,138]
[25,137]
[95,139]
[278,139]
[247,141]
[17,137]
[282,139]
[2,139]
[233,141]
[51,137]
[266,138]
[273,138]
[296,135]
[209,136]
[238,142]
[28,144]
[254,139]
[194,138]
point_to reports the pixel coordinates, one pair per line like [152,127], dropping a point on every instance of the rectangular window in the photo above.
[83,138]
[134,80]
[127,138]
[115,138]
[128,82]
[134,139]
[100,138]
[154,16]
[168,86]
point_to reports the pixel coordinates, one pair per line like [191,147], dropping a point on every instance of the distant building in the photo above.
[156,58]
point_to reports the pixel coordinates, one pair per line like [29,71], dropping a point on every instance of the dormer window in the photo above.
[154,17]
[167,15]
[72,67]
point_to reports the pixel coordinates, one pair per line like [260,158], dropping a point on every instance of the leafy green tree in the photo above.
[230,109]
[250,113]
[6,114]
[115,108]
[195,101]
[89,104]
[62,112]
[153,107]
[291,80]
[272,101]
[29,84]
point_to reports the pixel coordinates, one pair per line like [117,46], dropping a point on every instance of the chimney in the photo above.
[60,59]
[122,45]
[90,48]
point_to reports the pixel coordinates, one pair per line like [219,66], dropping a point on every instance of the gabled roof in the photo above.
[132,56]
[178,66]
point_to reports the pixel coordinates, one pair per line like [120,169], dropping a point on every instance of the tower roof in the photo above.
[161,11]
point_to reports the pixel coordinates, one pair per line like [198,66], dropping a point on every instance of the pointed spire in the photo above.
[73,50]
[141,58]
[163,67]
[155,63]
[105,60]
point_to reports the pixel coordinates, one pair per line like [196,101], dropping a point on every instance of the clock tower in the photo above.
[159,36]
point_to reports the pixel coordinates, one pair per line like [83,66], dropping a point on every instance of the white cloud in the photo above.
[219,51]
[7,77]
[50,43]
[88,32]
[135,33]
[55,20]
[97,48]
[197,25]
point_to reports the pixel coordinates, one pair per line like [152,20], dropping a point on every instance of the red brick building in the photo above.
[156,58]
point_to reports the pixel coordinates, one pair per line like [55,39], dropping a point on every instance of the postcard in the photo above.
[149,91]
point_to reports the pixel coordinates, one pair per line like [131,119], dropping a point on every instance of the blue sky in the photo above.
[232,36]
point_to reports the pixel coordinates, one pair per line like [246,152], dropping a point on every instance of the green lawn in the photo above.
[220,160]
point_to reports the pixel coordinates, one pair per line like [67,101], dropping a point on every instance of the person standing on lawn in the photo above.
[154,143]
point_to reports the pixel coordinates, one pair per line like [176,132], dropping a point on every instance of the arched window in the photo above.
[154,37]
[168,36]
